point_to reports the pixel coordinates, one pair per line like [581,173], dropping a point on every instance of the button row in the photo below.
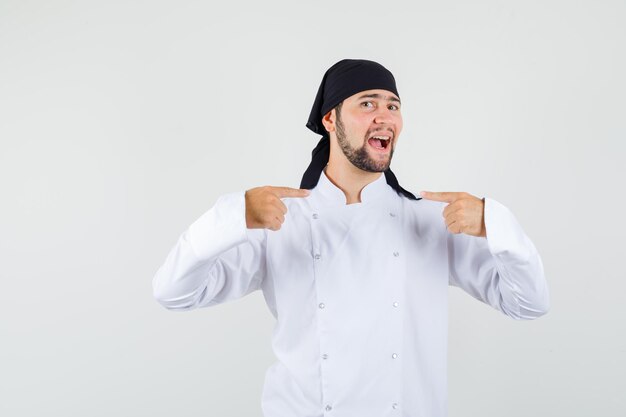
[318,256]
[322,305]
[325,356]
[315,215]
[329,407]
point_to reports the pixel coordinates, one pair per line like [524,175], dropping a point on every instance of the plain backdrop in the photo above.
[121,122]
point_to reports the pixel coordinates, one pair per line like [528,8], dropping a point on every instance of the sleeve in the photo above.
[503,269]
[217,259]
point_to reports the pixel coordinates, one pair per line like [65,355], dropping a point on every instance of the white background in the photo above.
[121,122]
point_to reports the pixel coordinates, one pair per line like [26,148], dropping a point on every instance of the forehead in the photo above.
[377,94]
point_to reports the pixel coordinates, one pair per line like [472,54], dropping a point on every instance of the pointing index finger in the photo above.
[447,196]
[282,192]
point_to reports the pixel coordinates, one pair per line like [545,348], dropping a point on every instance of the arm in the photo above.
[217,259]
[504,269]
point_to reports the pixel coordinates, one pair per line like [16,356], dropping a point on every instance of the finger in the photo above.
[448,208]
[448,196]
[454,226]
[450,220]
[276,223]
[451,211]
[282,208]
[282,192]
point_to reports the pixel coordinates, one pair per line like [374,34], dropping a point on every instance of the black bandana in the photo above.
[344,79]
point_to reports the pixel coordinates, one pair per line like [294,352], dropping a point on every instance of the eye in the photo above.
[396,107]
[366,102]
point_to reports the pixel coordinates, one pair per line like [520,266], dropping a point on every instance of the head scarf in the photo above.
[344,79]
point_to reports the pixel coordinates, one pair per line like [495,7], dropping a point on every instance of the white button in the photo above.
[395,304]
[395,355]
[328,408]
[396,254]
[318,256]
[394,405]
[315,215]
[321,305]
[392,214]
[324,356]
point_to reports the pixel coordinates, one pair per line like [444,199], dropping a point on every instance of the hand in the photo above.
[265,210]
[464,214]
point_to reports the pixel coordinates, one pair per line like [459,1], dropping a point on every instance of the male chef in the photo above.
[354,268]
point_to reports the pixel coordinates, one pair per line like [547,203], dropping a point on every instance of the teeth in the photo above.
[381,137]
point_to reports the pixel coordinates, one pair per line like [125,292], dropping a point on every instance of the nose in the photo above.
[383,116]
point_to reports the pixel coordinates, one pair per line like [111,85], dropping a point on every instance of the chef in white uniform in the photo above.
[355,268]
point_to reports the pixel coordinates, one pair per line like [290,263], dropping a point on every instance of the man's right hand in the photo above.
[265,210]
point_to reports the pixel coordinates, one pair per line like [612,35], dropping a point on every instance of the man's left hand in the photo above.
[464,214]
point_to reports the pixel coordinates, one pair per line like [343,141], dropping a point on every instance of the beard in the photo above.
[360,157]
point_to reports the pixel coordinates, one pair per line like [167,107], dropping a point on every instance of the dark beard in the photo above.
[359,157]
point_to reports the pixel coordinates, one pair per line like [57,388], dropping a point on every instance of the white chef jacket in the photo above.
[359,292]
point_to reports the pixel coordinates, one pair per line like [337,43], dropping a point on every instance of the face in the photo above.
[362,116]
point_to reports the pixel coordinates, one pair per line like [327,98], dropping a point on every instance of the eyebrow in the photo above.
[389,98]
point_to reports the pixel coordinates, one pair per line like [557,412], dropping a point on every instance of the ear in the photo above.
[329,121]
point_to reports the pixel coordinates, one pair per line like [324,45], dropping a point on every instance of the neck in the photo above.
[349,179]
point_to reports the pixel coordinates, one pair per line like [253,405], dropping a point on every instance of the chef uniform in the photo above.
[359,292]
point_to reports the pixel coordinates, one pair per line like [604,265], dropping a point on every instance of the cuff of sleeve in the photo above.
[505,236]
[222,227]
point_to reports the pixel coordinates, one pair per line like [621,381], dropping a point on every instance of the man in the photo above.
[355,268]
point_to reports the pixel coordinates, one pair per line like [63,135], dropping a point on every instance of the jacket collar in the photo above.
[329,194]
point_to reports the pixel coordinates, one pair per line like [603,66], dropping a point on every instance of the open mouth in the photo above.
[380,143]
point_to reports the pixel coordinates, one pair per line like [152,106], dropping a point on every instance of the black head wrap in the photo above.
[344,79]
